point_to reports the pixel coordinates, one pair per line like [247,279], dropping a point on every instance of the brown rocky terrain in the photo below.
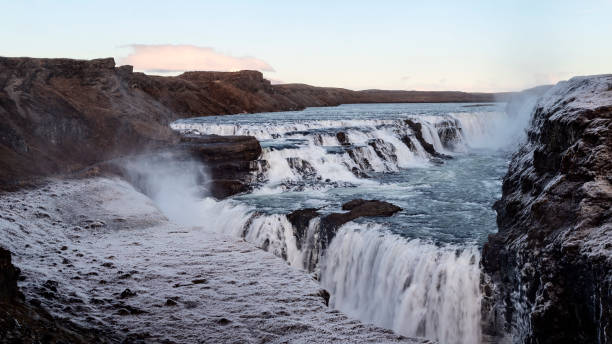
[61,115]
[550,264]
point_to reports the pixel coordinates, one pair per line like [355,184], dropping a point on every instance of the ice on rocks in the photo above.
[142,272]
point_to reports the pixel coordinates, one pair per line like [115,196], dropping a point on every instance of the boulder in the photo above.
[9,275]
[342,138]
[357,208]
[29,322]
[330,223]
[300,219]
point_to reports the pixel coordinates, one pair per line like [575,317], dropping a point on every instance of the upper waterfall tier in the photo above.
[348,146]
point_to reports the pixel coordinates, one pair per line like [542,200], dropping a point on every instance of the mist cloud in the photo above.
[168,58]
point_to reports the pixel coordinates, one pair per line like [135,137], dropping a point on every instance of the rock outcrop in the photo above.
[230,161]
[356,208]
[549,268]
[418,132]
[8,277]
[313,238]
[331,222]
[21,322]
[300,219]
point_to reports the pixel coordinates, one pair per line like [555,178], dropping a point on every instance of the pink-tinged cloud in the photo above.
[275,81]
[179,58]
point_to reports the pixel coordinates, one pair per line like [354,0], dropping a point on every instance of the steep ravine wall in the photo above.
[549,268]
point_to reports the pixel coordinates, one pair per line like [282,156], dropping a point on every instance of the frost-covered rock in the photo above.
[144,278]
[550,265]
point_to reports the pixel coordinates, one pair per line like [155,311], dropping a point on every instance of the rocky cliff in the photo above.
[61,115]
[549,268]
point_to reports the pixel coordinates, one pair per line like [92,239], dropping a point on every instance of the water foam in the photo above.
[411,286]
[309,150]
[415,288]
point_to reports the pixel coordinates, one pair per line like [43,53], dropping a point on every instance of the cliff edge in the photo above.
[549,268]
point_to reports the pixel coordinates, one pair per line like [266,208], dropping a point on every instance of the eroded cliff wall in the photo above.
[550,264]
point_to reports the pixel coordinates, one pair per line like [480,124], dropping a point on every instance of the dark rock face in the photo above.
[357,208]
[300,220]
[221,165]
[449,132]
[301,166]
[383,149]
[22,322]
[61,115]
[222,188]
[429,148]
[316,242]
[214,148]
[341,136]
[230,161]
[8,277]
[549,269]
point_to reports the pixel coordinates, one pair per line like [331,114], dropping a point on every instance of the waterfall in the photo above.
[347,151]
[412,286]
[415,288]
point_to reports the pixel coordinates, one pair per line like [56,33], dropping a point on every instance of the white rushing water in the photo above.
[417,272]
[297,150]
[413,287]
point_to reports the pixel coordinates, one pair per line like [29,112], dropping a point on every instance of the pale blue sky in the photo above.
[462,45]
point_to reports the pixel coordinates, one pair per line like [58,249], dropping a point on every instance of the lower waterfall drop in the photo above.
[413,287]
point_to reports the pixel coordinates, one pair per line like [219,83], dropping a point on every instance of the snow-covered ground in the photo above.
[81,244]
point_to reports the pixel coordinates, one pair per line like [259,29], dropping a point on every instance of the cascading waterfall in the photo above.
[302,150]
[412,286]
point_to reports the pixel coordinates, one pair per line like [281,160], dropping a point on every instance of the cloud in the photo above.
[168,58]
[275,81]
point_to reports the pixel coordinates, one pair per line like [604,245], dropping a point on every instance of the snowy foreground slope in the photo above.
[101,254]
